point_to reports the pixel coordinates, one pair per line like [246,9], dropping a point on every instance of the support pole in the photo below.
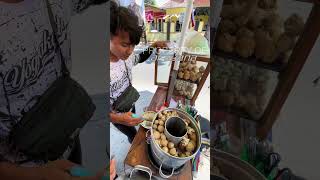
[174,72]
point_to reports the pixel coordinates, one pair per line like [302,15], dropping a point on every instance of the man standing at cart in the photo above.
[125,35]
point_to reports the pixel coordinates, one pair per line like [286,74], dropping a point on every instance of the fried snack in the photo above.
[294,25]
[226,42]
[245,47]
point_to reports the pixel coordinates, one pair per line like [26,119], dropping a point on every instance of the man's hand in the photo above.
[64,165]
[52,171]
[113,170]
[160,45]
[59,169]
[125,119]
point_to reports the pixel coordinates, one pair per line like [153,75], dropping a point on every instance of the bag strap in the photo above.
[64,69]
[125,64]
[6,97]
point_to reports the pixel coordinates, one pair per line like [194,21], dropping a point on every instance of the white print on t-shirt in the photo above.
[29,63]
[119,79]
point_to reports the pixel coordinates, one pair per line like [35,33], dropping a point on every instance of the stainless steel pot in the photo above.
[234,167]
[175,125]
[166,160]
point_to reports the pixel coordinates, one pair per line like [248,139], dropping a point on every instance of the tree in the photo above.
[202,11]
[150,2]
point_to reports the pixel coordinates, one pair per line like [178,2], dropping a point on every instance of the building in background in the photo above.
[154,18]
[158,18]
[175,10]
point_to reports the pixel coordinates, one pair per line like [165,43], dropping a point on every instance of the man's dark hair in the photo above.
[124,19]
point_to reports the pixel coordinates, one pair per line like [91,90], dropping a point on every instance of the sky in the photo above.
[160,2]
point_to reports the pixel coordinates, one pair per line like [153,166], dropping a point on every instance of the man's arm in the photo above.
[12,171]
[53,170]
[147,53]
[124,119]
[143,56]
[79,6]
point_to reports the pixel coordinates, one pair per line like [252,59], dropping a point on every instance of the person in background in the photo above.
[137,9]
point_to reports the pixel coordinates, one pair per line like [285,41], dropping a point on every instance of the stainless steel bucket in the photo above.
[171,162]
[233,167]
[174,129]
